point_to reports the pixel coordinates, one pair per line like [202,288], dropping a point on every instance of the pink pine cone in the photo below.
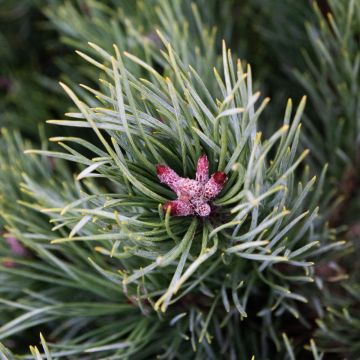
[167,176]
[203,210]
[214,186]
[202,169]
[179,207]
[193,195]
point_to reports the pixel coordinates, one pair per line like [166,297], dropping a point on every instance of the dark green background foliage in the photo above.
[88,258]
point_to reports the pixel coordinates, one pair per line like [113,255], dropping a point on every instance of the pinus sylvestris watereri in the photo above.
[191,229]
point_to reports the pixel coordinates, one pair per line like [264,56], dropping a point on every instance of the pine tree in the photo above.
[171,214]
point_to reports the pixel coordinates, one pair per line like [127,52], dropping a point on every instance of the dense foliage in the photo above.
[92,255]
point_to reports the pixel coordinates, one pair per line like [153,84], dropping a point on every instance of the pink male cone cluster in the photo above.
[193,195]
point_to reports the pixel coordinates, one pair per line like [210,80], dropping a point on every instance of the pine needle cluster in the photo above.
[91,255]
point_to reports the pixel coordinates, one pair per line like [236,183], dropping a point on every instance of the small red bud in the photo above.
[173,208]
[161,169]
[220,177]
